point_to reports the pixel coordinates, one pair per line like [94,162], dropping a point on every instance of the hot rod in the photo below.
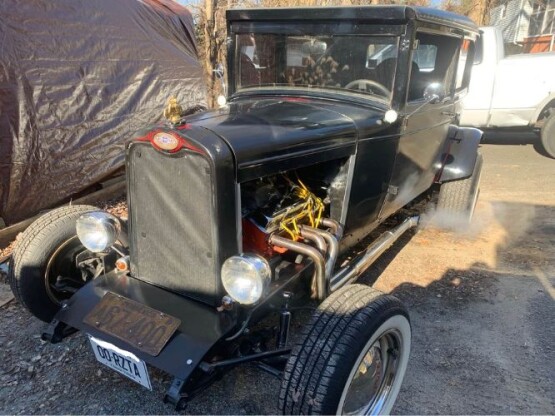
[335,119]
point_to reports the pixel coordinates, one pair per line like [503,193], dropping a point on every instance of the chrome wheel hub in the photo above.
[375,374]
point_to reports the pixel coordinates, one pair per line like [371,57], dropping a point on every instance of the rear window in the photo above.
[479,51]
[425,57]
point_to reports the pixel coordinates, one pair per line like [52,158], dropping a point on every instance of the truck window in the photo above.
[463,66]
[434,60]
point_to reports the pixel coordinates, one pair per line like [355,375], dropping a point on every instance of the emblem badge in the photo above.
[165,141]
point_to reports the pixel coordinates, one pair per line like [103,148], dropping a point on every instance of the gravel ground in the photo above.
[481,302]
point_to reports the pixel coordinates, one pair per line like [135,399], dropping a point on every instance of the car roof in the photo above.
[379,14]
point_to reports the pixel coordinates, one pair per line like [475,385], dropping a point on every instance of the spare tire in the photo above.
[45,249]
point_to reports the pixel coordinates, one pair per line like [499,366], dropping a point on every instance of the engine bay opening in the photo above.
[281,204]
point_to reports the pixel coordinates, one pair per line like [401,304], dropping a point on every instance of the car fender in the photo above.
[542,106]
[461,154]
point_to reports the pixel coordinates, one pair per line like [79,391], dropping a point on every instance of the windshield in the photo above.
[363,64]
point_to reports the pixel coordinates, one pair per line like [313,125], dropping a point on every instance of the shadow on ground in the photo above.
[481,338]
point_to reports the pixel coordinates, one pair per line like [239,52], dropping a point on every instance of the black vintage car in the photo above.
[336,118]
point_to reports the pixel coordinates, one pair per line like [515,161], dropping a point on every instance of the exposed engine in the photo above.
[281,204]
[289,212]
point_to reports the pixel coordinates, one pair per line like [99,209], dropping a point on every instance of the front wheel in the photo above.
[352,356]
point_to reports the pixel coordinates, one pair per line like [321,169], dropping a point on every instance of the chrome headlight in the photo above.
[246,277]
[98,230]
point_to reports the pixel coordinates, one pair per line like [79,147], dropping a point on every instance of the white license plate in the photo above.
[122,361]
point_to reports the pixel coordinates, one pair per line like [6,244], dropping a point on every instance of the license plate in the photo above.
[122,361]
[144,328]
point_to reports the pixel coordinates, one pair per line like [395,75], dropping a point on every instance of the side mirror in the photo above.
[434,93]
[219,71]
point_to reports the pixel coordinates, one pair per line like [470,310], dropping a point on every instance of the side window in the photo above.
[466,56]
[434,60]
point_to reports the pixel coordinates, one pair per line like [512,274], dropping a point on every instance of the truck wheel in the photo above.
[46,250]
[459,197]
[351,358]
[547,135]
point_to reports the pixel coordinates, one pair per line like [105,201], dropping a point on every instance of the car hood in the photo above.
[274,134]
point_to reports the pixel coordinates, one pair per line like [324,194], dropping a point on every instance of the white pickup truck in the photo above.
[514,91]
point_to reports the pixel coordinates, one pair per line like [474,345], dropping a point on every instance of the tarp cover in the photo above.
[77,77]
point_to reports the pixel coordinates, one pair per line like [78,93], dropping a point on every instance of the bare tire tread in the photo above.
[456,197]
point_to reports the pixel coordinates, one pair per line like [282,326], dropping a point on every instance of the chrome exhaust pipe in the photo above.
[313,235]
[332,248]
[358,265]
[334,226]
[319,285]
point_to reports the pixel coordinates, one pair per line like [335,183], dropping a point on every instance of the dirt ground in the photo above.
[482,305]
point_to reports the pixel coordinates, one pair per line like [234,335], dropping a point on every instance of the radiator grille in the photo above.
[171,221]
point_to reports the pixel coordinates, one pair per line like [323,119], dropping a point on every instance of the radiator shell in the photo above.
[173,221]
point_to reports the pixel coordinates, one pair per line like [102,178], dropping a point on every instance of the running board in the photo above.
[365,259]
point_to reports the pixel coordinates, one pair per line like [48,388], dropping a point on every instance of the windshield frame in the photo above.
[336,28]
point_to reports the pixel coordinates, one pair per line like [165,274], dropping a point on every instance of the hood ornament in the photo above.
[173,111]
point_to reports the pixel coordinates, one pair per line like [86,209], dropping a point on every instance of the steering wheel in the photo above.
[373,85]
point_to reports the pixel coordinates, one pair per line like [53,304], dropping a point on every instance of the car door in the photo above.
[425,123]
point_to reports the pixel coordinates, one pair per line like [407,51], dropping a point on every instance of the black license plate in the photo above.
[144,328]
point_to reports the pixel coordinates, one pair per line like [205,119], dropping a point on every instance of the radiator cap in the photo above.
[173,111]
